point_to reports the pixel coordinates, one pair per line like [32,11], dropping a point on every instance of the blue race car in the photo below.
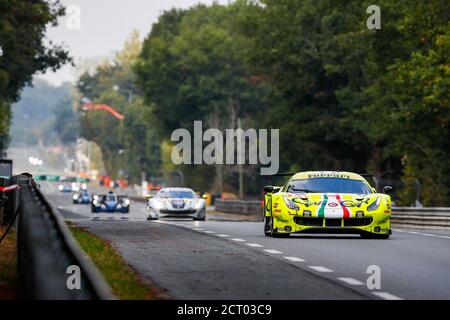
[110,203]
[82,197]
[65,188]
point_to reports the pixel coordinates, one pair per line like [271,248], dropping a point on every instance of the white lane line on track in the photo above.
[386,296]
[255,245]
[273,251]
[223,235]
[422,234]
[429,235]
[208,231]
[351,281]
[320,269]
[294,259]
[238,240]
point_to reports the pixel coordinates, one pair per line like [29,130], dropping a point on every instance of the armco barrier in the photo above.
[239,207]
[421,218]
[407,217]
[46,250]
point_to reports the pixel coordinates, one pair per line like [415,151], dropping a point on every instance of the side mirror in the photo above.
[205,196]
[388,190]
[269,189]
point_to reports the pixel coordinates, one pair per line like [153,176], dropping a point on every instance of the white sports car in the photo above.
[176,203]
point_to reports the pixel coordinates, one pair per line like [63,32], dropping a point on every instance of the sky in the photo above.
[95,29]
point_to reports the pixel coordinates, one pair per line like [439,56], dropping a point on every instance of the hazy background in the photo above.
[105,24]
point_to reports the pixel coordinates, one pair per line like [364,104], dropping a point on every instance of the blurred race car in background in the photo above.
[65,188]
[81,197]
[176,202]
[110,203]
[72,187]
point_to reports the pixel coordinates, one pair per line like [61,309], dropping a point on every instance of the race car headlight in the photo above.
[199,204]
[75,197]
[126,202]
[95,202]
[156,205]
[290,204]
[307,213]
[374,206]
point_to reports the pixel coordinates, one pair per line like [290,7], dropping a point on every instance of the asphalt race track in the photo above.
[219,259]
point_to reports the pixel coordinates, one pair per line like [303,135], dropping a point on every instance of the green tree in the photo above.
[351,98]
[22,41]
[409,101]
[192,68]
[129,146]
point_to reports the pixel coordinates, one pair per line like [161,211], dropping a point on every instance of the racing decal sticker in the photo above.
[344,208]
[332,206]
[321,213]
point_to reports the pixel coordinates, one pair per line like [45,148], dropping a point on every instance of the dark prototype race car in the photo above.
[110,203]
[82,197]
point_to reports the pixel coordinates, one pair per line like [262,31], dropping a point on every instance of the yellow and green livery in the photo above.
[327,202]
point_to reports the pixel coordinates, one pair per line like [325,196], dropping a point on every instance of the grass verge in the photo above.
[9,279]
[124,281]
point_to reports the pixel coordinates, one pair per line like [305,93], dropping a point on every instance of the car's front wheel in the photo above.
[268,226]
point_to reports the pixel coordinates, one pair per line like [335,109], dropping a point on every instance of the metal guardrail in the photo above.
[239,207]
[421,218]
[46,250]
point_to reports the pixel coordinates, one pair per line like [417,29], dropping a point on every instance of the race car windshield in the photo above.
[329,185]
[176,194]
[111,198]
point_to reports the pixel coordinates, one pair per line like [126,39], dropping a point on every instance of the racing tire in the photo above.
[269,232]
[268,226]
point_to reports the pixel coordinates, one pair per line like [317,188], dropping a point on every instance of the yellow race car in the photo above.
[327,202]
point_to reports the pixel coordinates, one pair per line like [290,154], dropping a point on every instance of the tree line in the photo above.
[344,97]
[24,51]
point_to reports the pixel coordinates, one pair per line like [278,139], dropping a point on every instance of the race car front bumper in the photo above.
[377,223]
[153,214]
[118,208]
